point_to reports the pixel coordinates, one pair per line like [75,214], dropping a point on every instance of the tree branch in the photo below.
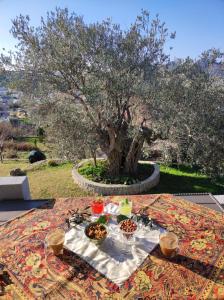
[82,100]
[112,137]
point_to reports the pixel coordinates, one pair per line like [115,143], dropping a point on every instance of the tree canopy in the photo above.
[98,85]
[190,109]
[102,69]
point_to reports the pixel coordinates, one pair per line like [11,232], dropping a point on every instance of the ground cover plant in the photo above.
[100,173]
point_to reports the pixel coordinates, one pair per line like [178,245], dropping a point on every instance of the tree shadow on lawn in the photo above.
[170,183]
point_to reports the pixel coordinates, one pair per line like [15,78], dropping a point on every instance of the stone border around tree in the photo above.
[117,189]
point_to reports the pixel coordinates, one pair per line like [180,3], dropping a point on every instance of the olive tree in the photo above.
[6,132]
[188,104]
[103,73]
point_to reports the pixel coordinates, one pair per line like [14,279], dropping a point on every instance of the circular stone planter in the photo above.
[117,189]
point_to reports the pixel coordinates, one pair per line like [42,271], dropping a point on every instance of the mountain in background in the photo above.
[214,69]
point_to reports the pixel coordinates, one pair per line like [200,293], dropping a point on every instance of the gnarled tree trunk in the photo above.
[1,151]
[123,152]
[115,162]
[134,153]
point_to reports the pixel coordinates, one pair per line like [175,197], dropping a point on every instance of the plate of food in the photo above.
[96,232]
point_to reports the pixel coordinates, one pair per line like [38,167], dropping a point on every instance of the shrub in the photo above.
[21,146]
[11,153]
[36,155]
[53,163]
[92,172]
[25,147]
[17,172]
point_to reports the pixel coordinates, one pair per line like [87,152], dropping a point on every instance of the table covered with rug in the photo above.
[197,272]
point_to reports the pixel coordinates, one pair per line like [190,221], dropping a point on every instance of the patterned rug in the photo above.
[197,272]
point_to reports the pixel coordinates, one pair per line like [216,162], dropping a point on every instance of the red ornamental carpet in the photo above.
[197,272]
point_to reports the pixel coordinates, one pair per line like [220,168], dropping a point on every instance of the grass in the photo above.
[185,179]
[23,154]
[47,182]
[54,182]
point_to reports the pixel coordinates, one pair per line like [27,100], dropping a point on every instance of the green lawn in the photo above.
[53,182]
[186,180]
[47,182]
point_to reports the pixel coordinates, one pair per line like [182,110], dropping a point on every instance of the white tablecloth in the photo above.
[114,258]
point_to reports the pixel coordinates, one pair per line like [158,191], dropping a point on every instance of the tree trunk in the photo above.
[114,160]
[135,150]
[93,153]
[94,159]
[122,152]
[1,153]
[112,145]
[131,162]
[124,159]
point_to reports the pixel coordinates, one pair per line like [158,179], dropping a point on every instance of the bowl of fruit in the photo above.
[96,232]
[128,227]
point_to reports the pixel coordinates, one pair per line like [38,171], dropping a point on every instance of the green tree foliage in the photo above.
[103,70]
[6,132]
[97,85]
[189,107]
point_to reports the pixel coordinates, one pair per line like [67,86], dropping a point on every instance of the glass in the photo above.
[97,207]
[55,241]
[125,207]
[168,244]
[128,229]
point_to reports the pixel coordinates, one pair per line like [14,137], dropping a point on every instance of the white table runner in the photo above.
[113,258]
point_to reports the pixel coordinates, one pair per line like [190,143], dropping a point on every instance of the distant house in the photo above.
[4,114]
[3,91]
[21,114]
[15,122]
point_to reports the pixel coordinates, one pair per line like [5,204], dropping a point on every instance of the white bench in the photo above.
[14,188]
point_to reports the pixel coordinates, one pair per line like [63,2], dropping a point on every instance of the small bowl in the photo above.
[127,234]
[94,240]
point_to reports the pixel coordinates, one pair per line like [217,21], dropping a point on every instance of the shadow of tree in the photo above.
[171,183]
[79,268]
[205,270]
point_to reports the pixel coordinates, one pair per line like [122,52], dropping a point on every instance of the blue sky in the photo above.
[199,23]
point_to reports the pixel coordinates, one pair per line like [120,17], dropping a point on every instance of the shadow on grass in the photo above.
[185,168]
[170,183]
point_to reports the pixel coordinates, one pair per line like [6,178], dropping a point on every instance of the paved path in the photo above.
[205,199]
[220,199]
[10,209]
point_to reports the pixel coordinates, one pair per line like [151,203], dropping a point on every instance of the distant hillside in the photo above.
[3,79]
[215,69]
[9,79]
